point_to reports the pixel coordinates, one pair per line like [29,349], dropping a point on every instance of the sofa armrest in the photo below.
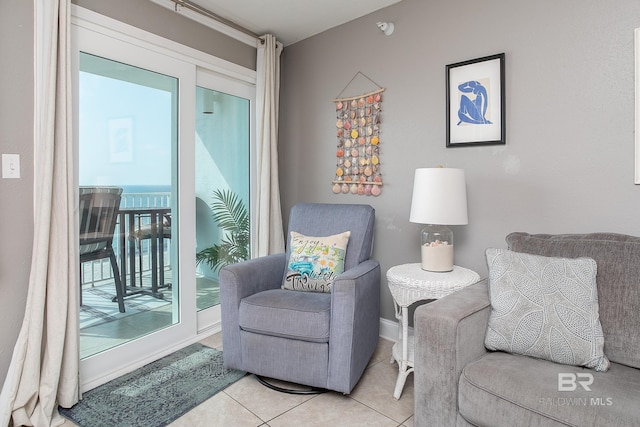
[238,281]
[355,324]
[449,333]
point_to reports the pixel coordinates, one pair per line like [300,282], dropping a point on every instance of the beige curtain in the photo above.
[269,237]
[45,364]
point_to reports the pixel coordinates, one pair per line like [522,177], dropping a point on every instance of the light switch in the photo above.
[11,166]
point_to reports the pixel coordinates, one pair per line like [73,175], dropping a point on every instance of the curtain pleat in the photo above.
[45,364]
[269,233]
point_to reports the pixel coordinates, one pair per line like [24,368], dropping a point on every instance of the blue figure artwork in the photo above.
[473,111]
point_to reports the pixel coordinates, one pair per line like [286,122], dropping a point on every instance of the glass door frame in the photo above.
[102,36]
[211,318]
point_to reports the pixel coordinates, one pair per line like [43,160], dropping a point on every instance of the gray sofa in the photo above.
[459,383]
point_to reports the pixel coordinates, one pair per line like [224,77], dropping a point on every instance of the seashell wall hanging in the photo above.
[358,151]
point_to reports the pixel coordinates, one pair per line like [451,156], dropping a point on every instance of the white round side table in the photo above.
[409,283]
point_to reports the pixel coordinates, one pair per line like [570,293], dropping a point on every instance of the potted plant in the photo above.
[232,217]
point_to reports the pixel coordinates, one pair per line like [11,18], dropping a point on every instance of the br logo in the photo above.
[570,381]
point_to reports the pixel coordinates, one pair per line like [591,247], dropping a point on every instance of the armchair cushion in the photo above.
[314,262]
[325,219]
[281,313]
[545,307]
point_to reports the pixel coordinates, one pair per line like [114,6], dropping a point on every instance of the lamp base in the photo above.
[436,248]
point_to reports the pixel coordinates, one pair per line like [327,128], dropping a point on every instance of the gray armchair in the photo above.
[321,340]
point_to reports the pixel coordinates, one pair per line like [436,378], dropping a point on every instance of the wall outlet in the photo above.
[11,166]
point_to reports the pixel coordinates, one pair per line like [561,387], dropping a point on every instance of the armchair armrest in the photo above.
[449,333]
[355,324]
[253,276]
[238,281]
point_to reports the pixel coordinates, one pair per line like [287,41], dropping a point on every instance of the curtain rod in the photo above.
[205,12]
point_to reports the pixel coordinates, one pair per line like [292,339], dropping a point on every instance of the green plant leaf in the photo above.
[229,212]
[231,215]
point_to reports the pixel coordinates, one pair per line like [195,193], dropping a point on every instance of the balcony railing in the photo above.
[100,270]
[147,200]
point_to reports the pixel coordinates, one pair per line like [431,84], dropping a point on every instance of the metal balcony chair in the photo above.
[98,217]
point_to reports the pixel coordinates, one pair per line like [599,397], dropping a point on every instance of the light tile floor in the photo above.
[248,403]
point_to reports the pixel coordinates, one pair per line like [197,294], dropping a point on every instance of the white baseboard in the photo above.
[389,329]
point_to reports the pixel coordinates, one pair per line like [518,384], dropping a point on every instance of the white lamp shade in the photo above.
[439,197]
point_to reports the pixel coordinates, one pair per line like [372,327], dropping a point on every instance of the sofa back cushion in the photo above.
[618,279]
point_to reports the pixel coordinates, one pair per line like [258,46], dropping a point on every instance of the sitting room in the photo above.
[560,166]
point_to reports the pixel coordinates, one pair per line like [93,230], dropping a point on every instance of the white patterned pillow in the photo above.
[545,307]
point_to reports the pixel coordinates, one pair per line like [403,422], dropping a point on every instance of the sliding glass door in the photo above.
[127,143]
[172,138]
[134,114]
[222,190]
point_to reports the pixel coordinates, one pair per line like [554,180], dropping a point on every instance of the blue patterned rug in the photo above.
[156,394]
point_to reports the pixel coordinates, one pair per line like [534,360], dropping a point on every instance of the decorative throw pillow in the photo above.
[545,307]
[315,262]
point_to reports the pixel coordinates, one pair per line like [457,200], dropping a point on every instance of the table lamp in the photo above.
[439,199]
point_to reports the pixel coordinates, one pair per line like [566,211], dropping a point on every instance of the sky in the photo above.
[125,132]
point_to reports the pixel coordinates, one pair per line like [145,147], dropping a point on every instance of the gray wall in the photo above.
[568,163]
[16,130]
[16,136]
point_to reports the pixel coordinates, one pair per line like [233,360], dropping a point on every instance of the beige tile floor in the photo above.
[248,403]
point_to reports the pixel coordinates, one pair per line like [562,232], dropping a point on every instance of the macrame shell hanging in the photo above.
[358,144]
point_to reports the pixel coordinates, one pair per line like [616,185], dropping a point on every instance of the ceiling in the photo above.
[291,20]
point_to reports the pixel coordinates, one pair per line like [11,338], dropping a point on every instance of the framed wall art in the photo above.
[476,102]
